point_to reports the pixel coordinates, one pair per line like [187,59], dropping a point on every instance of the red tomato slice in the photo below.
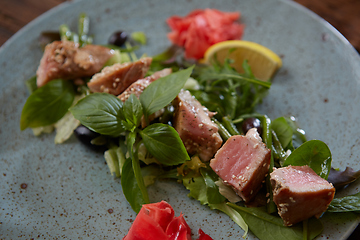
[203,236]
[156,221]
[151,222]
[178,229]
[200,29]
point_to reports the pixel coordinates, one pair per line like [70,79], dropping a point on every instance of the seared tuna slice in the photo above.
[192,121]
[116,78]
[300,193]
[243,162]
[65,60]
[138,86]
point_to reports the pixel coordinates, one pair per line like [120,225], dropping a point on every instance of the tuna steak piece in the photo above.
[243,162]
[192,121]
[65,60]
[118,77]
[139,85]
[300,193]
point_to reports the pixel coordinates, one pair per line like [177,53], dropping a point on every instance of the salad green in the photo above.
[140,155]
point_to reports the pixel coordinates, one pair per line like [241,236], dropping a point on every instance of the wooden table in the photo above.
[344,15]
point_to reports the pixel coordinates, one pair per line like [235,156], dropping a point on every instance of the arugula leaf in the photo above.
[199,190]
[130,187]
[197,187]
[314,153]
[102,113]
[212,190]
[345,204]
[233,214]
[268,227]
[48,104]
[164,143]
[227,92]
[162,91]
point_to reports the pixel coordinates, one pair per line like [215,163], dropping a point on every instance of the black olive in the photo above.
[85,136]
[251,123]
[118,38]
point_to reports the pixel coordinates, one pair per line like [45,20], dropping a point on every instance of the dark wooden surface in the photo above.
[344,15]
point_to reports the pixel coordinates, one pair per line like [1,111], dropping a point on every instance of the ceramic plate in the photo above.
[69,192]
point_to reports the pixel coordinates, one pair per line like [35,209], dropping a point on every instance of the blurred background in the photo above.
[344,15]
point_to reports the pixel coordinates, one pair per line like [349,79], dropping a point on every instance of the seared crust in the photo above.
[300,193]
[65,60]
[118,77]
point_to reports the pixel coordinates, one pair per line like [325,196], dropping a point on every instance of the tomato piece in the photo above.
[200,29]
[178,229]
[157,221]
[151,222]
[203,236]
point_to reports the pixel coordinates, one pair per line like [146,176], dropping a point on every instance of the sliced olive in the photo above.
[118,38]
[86,136]
[251,123]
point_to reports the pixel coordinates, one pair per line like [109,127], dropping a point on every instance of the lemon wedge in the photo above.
[263,62]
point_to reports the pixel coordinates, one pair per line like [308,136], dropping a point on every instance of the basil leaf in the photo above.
[164,143]
[262,223]
[102,113]
[162,91]
[130,187]
[133,110]
[283,131]
[31,84]
[345,204]
[47,104]
[130,141]
[314,153]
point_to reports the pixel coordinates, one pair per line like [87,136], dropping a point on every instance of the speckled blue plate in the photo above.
[65,191]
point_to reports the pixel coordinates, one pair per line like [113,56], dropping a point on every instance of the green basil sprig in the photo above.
[162,91]
[108,115]
[102,113]
[131,187]
[47,104]
[163,142]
